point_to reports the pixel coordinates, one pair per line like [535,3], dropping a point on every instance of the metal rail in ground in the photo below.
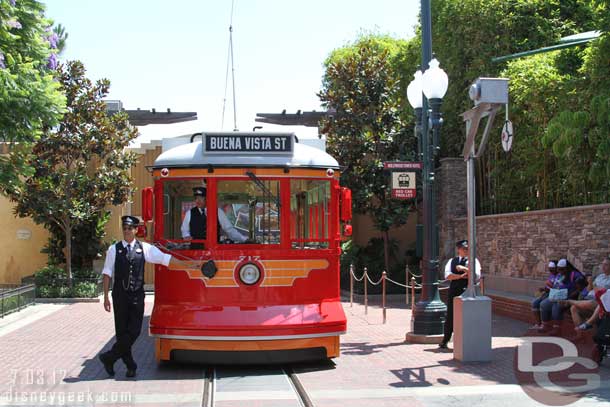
[258,385]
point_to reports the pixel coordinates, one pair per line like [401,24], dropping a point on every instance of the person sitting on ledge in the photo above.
[544,294]
[551,308]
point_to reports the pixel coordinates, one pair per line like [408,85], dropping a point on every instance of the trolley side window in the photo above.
[252,208]
[309,213]
[177,201]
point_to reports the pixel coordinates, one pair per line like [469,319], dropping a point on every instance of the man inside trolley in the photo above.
[194,223]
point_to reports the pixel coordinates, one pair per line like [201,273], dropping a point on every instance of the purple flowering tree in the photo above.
[30,95]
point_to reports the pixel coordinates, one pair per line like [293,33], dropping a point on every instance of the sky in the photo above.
[173,54]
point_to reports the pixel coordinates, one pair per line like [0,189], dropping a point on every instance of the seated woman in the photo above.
[551,309]
[544,293]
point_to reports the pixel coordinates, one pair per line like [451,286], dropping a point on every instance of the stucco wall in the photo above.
[364,230]
[21,258]
[20,243]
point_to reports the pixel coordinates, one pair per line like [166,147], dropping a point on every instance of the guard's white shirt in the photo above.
[225,225]
[602,281]
[151,255]
[477,267]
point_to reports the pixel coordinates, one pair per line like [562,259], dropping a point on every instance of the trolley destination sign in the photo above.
[248,143]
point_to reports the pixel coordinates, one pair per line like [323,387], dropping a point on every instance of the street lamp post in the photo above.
[429,313]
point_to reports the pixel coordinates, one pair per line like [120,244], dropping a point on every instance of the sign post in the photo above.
[472,313]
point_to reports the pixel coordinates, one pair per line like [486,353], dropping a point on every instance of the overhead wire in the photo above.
[230,61]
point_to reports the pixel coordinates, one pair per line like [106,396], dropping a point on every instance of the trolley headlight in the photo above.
[249,274]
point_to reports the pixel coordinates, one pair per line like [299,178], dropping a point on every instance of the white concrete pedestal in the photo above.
[472,329]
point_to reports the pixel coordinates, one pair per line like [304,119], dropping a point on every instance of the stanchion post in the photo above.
[412,295]
[482,285]
[351,285]
[407,272]
[383,287]
[366,294]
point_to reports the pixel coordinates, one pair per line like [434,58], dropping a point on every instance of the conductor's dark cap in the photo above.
[462,243]
[130,221]
[199,191]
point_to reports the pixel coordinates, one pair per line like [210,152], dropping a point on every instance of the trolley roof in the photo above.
[245,149]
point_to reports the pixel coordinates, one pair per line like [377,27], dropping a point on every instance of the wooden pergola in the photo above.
[141,117]
[307,119]
[144,117]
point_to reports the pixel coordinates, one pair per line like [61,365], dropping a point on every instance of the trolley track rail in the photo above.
[226,384]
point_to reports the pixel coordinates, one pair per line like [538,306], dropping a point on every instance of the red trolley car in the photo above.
[275,292]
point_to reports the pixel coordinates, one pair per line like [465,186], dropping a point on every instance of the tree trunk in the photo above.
[386,250]
[69,255]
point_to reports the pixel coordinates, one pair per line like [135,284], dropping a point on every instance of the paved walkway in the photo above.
[48,357]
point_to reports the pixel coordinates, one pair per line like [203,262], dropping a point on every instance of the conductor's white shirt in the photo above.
[151,255]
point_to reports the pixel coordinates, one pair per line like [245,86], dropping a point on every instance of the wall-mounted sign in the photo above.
[262,143]
[403,185]
[24,234]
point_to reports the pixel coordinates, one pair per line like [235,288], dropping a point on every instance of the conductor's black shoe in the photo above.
[442,345]
[130,373]
[107,362]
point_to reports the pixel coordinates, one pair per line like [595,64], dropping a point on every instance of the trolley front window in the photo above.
[309,213]
[253,208]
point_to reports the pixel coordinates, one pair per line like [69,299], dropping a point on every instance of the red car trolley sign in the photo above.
[403,182]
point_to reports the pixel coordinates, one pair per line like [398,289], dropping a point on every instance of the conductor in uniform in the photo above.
[125,261]
[457,271]
[194,223]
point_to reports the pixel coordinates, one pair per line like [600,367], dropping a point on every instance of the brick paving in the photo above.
[56,354]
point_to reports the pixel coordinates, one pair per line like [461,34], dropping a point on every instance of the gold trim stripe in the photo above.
[277,273]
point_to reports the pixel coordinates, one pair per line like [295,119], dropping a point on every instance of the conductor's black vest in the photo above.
[457,287]
[197,225]
[129,268]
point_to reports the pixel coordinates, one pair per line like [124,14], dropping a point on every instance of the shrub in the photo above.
[51,282]
[49,275]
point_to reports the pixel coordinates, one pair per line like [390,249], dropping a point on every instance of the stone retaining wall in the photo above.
[519,245]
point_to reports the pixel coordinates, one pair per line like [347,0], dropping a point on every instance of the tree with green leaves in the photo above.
[30,98]
[362,85]
[81,166]
[531,176]
[468,34]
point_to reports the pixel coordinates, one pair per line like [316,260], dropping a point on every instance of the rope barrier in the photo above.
[413,287]
[397,283]
[371,281]
[354,275]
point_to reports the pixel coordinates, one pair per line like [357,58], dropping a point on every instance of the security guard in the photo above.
[457,271]
[194,223]
[125,260]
